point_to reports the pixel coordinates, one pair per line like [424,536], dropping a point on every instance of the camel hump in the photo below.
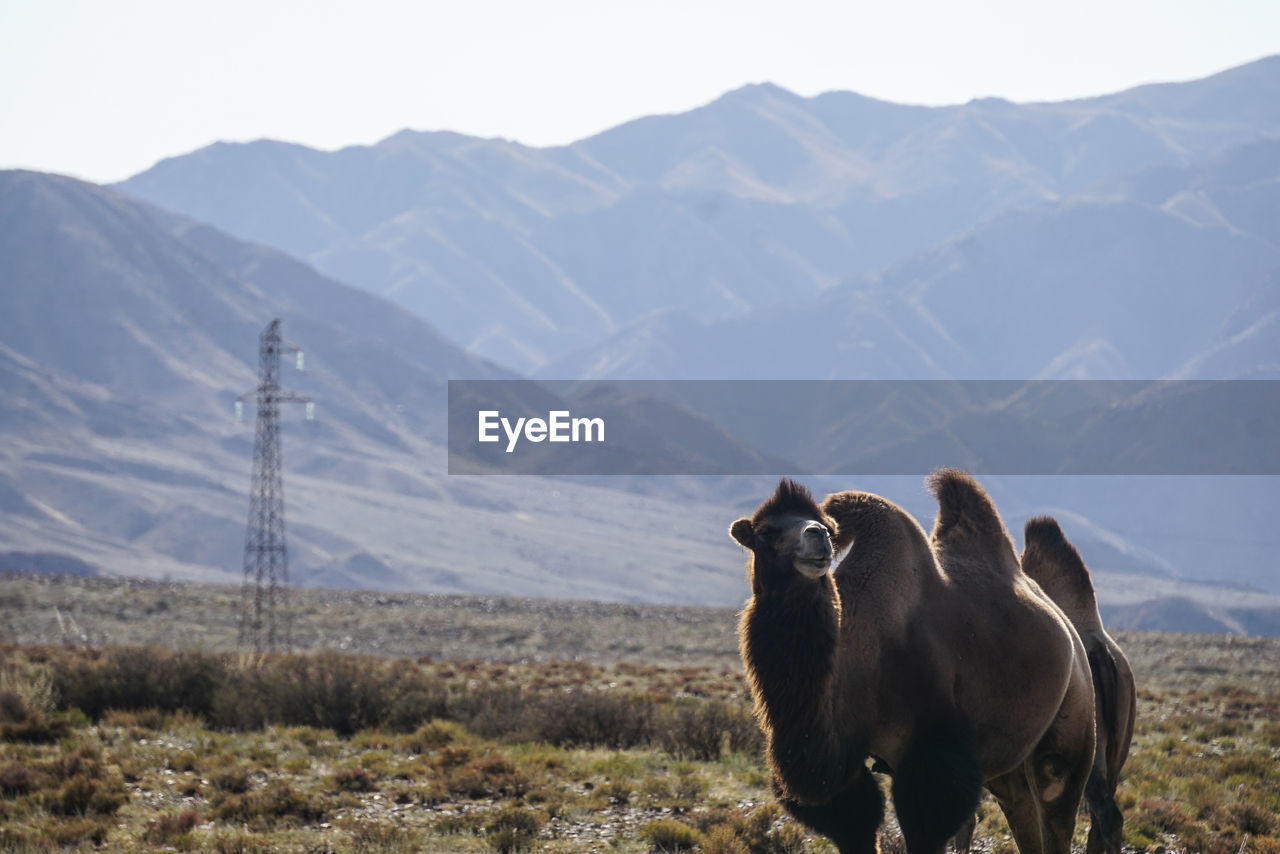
[1050,558]
[860,514]
[964,508]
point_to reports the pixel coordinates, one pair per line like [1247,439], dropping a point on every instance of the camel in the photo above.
[1052,561]
[936,659]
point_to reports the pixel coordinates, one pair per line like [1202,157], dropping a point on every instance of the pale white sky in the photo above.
[101,89]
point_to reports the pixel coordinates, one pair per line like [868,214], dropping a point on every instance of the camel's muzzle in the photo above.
[812,567]
[813,558]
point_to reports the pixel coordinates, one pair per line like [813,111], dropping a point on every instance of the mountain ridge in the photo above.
[713,212]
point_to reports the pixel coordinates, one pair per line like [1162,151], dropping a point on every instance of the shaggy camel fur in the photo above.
[940,662]
[1050,558]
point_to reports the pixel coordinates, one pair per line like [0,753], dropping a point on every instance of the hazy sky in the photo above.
[102,89]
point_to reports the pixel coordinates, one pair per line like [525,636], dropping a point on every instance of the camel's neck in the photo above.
[889,565]
[788,638]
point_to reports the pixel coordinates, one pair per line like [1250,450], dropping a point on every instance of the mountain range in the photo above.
[763,236]
[758,202]
[127,334]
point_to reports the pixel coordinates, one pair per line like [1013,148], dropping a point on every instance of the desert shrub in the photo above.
[246,700]
[415,697]
[493,712]
[355,780]
[431,736]
[13,708]
[234,780]
[188,682]
[655,790]
[75,831]
[1253,819]
[720,839]
[707,819]
[707,729]
[785,839]
[453,756]
[732,832]
[119,678]
[1252,766]
[83,795]
[688,790]
[594,719]
[1203,841]
[487,776]
[26,691]
[136,678]
[17,779]
[617,792]
[763,833]
[327,690]
[373,835]
[1153,818]
[261,808]
[164,829]
[513,829]
[667,834]
[457,824]
[182,760]
[37,729]
[239,841]
[85,759]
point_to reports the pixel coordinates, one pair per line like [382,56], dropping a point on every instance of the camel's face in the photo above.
[802,542]
[787,531]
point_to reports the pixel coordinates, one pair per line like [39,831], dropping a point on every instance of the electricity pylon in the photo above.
[264,614]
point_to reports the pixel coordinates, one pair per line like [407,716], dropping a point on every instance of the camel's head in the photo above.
[788,530]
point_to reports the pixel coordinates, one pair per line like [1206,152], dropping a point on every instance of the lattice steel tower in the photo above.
[264,610]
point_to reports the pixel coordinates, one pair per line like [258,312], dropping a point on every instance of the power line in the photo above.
[264,611]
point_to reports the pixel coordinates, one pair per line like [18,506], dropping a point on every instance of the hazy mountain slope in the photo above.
[1247,345]
[126,334]
[1244,98]
[1087,289]
[756,200]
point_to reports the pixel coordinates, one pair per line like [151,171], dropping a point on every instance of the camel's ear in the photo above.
[742,531]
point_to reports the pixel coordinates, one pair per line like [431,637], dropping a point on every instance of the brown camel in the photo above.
[939,661]
[1050,558]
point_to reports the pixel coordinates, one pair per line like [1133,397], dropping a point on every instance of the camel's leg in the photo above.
[963,839]
[1056,772]
[1040,799]
[1020,803]
[1106,826]
[850,820]
[936,787]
